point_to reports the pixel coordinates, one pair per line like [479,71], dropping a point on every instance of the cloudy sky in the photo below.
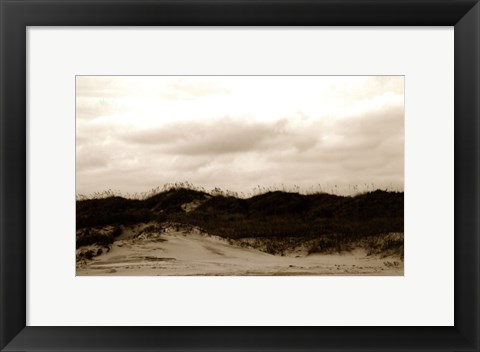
[343,133]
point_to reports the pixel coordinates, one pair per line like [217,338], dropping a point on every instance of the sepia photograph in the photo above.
[239,175]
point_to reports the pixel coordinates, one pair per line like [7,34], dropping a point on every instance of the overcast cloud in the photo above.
[237,132]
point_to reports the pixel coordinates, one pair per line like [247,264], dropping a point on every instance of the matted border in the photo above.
[16,15]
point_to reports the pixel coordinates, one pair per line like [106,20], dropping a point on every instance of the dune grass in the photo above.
[326,222]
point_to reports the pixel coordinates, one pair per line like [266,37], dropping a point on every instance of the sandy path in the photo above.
[181,253]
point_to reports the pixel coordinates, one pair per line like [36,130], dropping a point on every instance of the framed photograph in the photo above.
[239,175]
[329,182]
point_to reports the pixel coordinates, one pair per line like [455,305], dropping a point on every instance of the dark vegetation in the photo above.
[326,221]
[102,237]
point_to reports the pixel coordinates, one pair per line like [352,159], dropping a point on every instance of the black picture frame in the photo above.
[16,15]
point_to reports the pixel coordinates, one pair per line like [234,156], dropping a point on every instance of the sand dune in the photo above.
[194,253]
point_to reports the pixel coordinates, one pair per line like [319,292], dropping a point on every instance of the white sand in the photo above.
[192,253]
